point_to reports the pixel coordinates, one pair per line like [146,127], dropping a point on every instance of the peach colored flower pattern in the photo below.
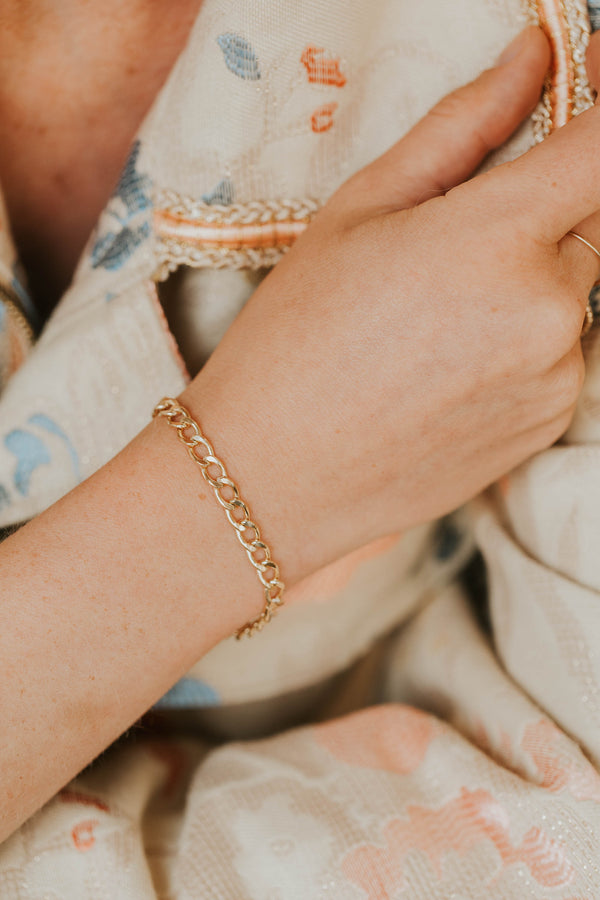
[560,766]
[83,835]
[321,69]
[322,118]
[395,740]
[460,825]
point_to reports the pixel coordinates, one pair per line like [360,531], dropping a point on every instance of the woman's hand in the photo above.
[414,345]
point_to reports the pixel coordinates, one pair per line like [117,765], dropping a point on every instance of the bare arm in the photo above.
[107,599]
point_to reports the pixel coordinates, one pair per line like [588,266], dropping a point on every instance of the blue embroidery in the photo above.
[239,56]
[188,692]
[111,250]
[30,452]
[222,194]
[133,187]
[131,197]
[43,421]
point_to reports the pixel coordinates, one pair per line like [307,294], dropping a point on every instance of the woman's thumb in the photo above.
[446,147]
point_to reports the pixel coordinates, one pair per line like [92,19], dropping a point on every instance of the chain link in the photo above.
[248,533]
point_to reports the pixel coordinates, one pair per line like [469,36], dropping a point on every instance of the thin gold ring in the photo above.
[587,243]
[589,313]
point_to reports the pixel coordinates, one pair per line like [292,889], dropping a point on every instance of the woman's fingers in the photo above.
[445,147]
[550,189]
[592,61]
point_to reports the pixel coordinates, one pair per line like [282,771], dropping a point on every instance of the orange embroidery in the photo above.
[83,836]
[389,738]
[322,118]
[560,766]
[459,825]
[75,797]
[320,69]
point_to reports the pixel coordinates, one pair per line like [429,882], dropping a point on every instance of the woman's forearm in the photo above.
[107,599]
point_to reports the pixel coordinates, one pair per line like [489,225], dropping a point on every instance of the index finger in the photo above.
[555,185]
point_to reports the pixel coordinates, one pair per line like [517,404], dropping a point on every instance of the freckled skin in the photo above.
[76,80]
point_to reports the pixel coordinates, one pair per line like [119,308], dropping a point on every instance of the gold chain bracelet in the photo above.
[189,433]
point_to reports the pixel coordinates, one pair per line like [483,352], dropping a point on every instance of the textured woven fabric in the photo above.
[476,775]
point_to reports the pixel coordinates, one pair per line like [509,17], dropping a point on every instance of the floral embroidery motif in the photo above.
[320,69]
[31,453]
[83,835]
[377,746]
[239,56]
[41,420]
[458,826]
[558,768]
[322,118]
[131,197]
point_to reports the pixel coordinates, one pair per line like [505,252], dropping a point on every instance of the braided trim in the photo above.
[241,236]
[173,253]
[567,91]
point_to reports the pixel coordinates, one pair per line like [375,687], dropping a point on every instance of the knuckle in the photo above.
[567,382]
[450,106]
[561,316]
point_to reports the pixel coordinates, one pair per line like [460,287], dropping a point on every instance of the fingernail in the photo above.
[514,48]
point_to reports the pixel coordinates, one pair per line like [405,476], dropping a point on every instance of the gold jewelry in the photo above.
[189,433]
[589,312]
[583,241]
